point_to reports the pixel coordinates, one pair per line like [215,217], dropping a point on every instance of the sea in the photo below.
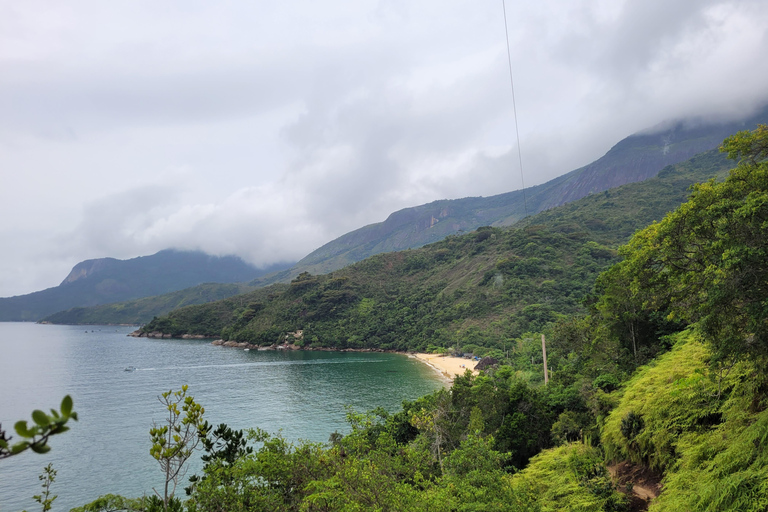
[301,395]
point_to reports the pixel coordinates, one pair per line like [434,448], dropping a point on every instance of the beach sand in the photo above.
[448,366]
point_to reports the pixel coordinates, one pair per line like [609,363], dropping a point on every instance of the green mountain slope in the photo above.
[141,311]
[477,289]
[108,280]
[634,159]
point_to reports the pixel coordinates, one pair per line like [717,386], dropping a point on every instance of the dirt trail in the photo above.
[645,484]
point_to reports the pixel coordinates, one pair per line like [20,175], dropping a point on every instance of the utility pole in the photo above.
[544,354]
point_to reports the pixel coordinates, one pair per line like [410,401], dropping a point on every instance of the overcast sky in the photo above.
[266,129]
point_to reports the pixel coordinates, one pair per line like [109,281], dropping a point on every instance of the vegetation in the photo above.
[174,442]
[47,478]
[35,436]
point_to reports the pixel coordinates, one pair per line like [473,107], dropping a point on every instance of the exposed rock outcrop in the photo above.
[485,363]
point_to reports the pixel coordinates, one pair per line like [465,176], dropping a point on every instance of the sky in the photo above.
[267,129]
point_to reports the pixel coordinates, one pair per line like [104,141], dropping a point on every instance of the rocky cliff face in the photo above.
[88,268]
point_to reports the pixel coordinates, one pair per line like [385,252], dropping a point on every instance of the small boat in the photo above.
[130,369]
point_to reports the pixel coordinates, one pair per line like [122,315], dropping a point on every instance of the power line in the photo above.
[514,106]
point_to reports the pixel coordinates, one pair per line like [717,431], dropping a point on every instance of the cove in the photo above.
[303,394]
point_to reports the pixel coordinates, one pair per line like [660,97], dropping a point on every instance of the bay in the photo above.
[302,394]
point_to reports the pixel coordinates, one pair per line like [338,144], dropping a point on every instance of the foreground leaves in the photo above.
[34,436]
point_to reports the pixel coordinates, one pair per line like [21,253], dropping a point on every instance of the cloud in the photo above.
[266,130]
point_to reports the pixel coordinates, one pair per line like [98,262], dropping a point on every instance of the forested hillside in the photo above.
[472,292]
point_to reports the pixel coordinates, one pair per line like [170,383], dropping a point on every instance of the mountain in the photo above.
[607,218]
[141,311]
[636,158]
[476,289]
[107,280]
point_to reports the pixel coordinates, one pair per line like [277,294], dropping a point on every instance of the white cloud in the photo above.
[267,129]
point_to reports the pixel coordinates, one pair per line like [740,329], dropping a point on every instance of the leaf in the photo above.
[21,428]
[19,447]
[66,406]
[41,418]
[40,448]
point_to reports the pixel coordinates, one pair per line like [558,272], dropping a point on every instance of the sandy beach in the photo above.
[448,366]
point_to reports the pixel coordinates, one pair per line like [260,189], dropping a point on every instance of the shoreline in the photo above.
[447,366]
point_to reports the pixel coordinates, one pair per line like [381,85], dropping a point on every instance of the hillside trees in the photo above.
[707,262]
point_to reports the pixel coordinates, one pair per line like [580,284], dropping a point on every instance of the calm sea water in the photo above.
[107,451]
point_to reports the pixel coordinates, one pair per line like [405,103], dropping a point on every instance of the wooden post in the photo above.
[544,354]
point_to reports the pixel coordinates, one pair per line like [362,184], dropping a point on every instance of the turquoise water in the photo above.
[107,451]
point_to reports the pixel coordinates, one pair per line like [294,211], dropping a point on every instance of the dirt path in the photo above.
[645,484]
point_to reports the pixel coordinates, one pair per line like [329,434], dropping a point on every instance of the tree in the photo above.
[35,437]
[708,260]
[174,443]
[223,448]
[47,479]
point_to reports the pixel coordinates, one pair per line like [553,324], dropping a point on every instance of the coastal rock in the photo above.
[251,346]
[157,334]
[485,363]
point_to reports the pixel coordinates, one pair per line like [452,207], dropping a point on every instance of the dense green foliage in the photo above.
[447,451]
[706,431]
[707,262]
[480,289]
[35,436]
[572,477]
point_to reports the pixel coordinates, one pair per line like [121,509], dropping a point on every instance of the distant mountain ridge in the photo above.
[470,290]
[607,219]
[636,158]
[108,280]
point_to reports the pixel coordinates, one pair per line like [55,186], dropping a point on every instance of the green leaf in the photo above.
[41,418]
[66,406]
[40,448]
[21,428]
[19,447]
